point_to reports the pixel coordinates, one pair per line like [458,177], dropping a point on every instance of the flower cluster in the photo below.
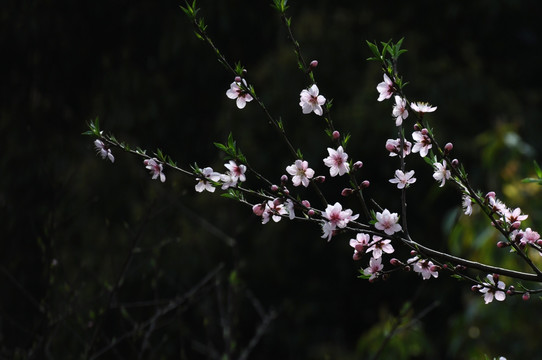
[335,218]
[209,179]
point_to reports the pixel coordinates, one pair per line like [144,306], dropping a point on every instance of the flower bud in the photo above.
[365,184]
[490,194]
[237,79]
[306,203]
[320,179]
[313,64]
[286,191]
[274,188]
[245,72]
[516,224]
[434,268]
[416,127]
[358,165]
[258,209]
[424,131]
[539,242]
[283,179]
[336,135]
[455,163]
[526,296]
[448,147]
[502,244]
[347,192]
[310,212]
[495,277]
[475,288]
[511,290]
[395,262]
[406,268]
[413,252]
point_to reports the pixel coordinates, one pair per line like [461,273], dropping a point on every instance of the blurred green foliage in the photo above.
[97,259]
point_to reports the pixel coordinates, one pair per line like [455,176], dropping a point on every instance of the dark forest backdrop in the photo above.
[99,261]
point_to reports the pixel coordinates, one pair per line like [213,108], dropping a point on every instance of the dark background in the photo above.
[99,261]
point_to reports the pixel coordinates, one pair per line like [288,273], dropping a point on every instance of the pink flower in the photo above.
[309,100]
[441,173]
[515,215]
[387,222]
[403,180]
[394,146]
[103,150]
[378,246]
[301,173]
[423,143]
[490,290]
[385,88]
[236,92]
[156,168]
[204,183]
[360,243]
[399,110]
[337,161]
[425,268]
[336,218]
[528,237]
[375,266]
[422,107]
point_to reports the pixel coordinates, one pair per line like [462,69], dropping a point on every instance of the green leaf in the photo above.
[537,169]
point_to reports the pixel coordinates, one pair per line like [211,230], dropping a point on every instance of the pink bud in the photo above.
[539,242]
[475,287]
[274,188]
[490,194]
[284,179]
[277,202]
[502,244]
[395,262]
[356,256]
[511,290]
[424,131]
[347,192]
[313,64]
[516,224]
[237,79]
[306,203]
[258,209]
[434,268]
[245,72]
[413,252]
[336,135]
[448,147]
[310,212]
[406,268]
[286,191]
[526,296]
[455,163]
[320,179]
[358,165]
[365,184]
[416,127]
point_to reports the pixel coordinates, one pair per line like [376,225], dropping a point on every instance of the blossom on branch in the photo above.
[360,243]
[387,222]
[403,179]
[336,217]
[104,150]
[337,161]
[309,100]
[441,172]
[240,95]
[399,110]
[422,107]
[235,173]
[301,173]
[424,267]
[394,146]
[378,246]
[423,143]
[205,183]
[156,168]
[493,291]
[385,88]
[467,204]
[276,209]
[375,266]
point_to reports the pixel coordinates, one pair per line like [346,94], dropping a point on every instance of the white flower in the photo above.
[493,291]
[441,173]
[399,110]
[209,176]
[387,222]
[403,180]
[385,88]
[156,168]
[375,266]
[236,92]
[337,161]
[423,143]
[422,107]
[301,173]
[309,100]
[104,150]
